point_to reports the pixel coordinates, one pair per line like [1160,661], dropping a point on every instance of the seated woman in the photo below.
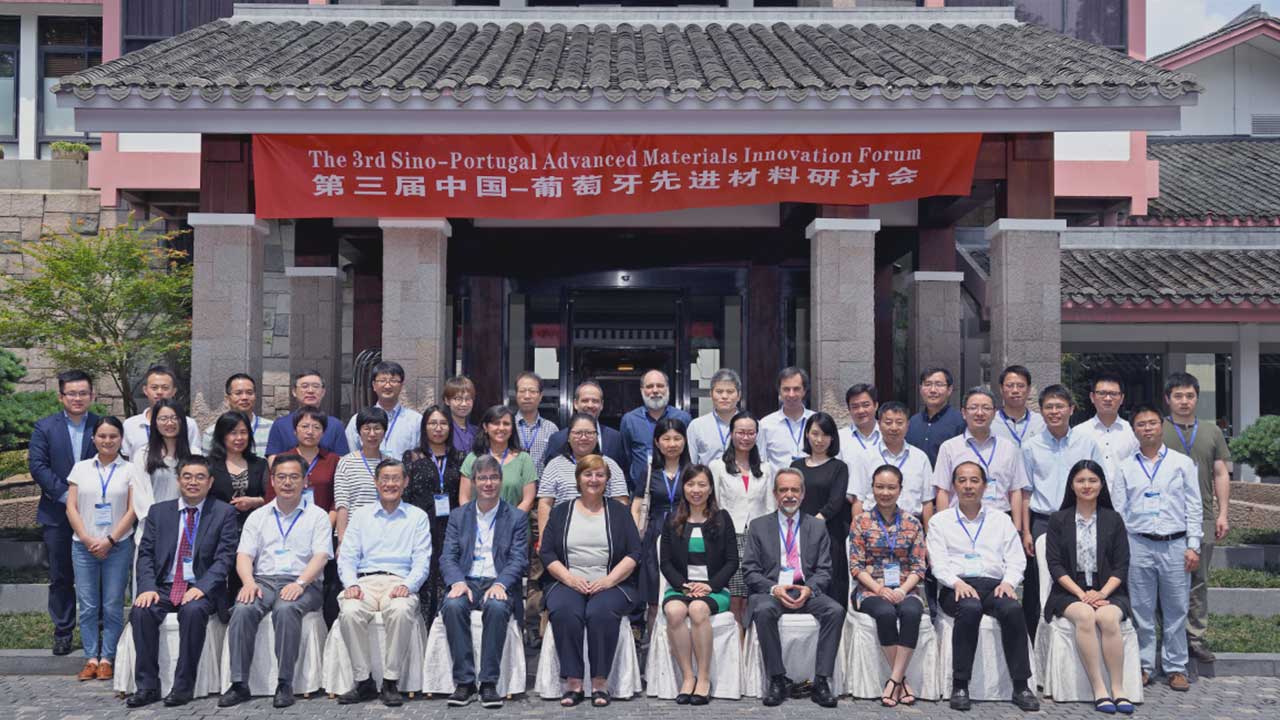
[697,537]
[1087,551]
[590,550]
[887,557]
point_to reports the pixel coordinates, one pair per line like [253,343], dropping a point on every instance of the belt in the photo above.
[376,572]
[470,578]
[1164,538]
[1035,514]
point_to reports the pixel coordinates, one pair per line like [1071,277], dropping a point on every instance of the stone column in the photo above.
[315,327]
[226,305]
[1025,297]
[933,331]
[415,331]
[842,266]
[1246,394]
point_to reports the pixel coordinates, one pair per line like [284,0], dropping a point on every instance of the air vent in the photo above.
[1266,125]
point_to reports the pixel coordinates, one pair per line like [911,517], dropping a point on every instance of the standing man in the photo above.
[533,430]
[284,547]
[308,390]
[1204,444]
[638,425]
[917,493]
[1158,495]
[781,438]
[160,383]
[1049,456]
[1111,432]
[403,424]
[862,437]
[1005,473]
[1014,420]
[937,422]
[709,433]
[58,442]
[186,551]
[242,396]
[588,398]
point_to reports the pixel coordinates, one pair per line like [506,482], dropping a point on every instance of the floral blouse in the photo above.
[869,548]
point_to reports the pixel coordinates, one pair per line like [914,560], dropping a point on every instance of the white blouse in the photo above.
[744,499]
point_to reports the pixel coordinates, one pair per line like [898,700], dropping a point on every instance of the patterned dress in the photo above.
[870,539]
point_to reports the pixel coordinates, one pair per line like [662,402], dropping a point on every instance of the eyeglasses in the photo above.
[1108,394]
[437,423]
[935,385]
[311,386]
[78,395]
[583,433]
[390,382]
[744,433]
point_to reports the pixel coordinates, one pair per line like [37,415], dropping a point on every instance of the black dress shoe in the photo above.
[177,698]
[684,699]
[142,698]
[462,695]
[284,696]
[778,689]
[236,694]
[822,692]
[960,700]
[363,691]
[699,699]
[390,694]
[489,696]
[1026,700]
[61,644]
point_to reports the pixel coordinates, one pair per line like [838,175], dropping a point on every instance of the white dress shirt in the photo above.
[404,430]
[1049,462]
[482,557]
[743,504]
[708,438]
[781,439]
[1000,458]
[398,542]
[137,431]
[991,537]
[282,545]
[1116,442]
[1161,497]
[917,476]
[1017,431]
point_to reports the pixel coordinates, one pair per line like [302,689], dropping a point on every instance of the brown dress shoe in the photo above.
[89,671]
[1146,678]
[104,671]
[1179,682]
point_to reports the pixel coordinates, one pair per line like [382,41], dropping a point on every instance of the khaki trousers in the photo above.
[398,618]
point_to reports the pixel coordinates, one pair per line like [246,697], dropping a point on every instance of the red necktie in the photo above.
[793,551]
[184,550]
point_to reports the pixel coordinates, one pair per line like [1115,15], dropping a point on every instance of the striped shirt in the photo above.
[353,485]
[558,480]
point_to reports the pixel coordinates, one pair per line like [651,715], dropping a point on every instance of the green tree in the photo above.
[108,303]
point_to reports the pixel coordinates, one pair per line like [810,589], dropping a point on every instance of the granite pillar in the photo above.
[315,327]
[933,329]
[1025,297]
[842,295]
[415,330]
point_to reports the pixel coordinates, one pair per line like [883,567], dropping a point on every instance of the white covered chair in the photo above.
[512,670]
[338,676]
[866,670]
[1058,659]
[208,671]
[264,673]
[624,679]
[663,673]
[799,634]
[990,680]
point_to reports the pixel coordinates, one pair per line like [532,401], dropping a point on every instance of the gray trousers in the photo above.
[286,620]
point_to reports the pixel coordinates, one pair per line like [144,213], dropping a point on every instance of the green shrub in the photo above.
[12,462]
[1259,445]
[69,147]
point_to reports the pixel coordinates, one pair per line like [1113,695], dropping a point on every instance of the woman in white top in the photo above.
[100,510]
[744,487]
[166,443]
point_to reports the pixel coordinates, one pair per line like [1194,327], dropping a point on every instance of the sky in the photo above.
[1171,23]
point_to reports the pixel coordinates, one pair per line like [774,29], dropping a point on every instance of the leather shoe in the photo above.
[960,700]
[777,692]
[1026,700]
[61,644]
[1178,681]
[142,698]
[284,696]
[1146,678]
[683,698]
[89,671]
[821,693]
[177,698]
[699,699]
[364,690]
[105,671]
[236,694]
[489,696]
[462,695]
[390,694]
[1202,654]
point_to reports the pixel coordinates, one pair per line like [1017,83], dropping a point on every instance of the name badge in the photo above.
[1151,502]
[189,569]
[787,576]
[309,496]
[991,499]
[442,505]
[972,565]
[102,514]
[892,574]
[281,552]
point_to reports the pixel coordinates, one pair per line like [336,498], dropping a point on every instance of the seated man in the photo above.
[486,552]
[182,570]
[787,568]
[284,547]
[383,561]
[979,568]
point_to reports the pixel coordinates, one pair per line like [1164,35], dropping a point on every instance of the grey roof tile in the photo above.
[1216,179]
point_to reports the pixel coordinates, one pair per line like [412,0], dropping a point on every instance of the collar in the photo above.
[83,419]
[782,518]
[982,513]
[393,411]
[301,507]
[924,413]
[481,515]
[182,505]
[1054,442]
[1119,424]
[872,438]
[118,461]
[1164,450]
[968,437]
[523,423]
[884,449]
[381,511]
[1026,416]
[1092,519]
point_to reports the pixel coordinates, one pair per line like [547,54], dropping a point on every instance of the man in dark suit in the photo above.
[589,398]
[58,442]
[486,553]
[787,569]
[187,549]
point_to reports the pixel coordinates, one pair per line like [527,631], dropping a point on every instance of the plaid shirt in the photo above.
[869,548]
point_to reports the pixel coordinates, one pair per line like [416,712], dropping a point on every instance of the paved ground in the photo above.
[42,697]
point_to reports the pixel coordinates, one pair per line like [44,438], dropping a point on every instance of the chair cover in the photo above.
[799,633]
[208,676]
[624,678]
[511,674]
[338,674]
[662,672]
[866,670]
[990,679]
[1058,659]
[264,673]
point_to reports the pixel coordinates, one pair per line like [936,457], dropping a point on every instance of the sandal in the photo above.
[1124,706]
[890,689]
[1105,705]
[905,696]
[600,698]
[570,698]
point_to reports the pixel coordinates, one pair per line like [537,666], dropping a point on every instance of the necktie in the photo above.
[184,549]
[793,551]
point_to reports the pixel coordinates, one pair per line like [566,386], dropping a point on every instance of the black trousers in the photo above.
[1031,580]
[895,624]
[193,621]
[968,614]
[62,579]
[598,616]
[765,611]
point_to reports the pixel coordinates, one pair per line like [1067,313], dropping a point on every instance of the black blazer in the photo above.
[214,553]
[624,542]
[222,480]
[721,542]
[1060,552]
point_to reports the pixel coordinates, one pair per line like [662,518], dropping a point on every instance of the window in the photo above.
[8,79]
[67,45]
[1103,22]
[150,21]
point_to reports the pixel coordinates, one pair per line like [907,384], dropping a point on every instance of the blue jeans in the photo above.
[456,614]
[1158,570]
[100,588]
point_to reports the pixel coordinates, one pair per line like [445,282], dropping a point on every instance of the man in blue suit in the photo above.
[486,553]
[58,442]
[187,549]
[589,398]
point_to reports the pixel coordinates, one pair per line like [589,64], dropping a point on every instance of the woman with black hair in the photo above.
[658,498]
[238,473]
[166,444]
[826,485]
[744,487]
[435,473]
[496,438]
[1087,551]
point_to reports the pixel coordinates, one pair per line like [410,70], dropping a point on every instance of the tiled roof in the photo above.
[354,60]
[1216,179]
[1254,13]
[1163,275]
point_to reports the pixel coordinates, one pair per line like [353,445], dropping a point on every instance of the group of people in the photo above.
[425,515]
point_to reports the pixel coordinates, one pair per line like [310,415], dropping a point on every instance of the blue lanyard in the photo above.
[441,462]
[788,547]
[107,482]
[853,430]
[1013,429]
[973,538]
[1142,464]
[906,452]
[670,482]
[256,420]
[986,462]
[365,460]
[724,436]
[532,437]
[502,460]
[191,535]
[1195,429]
[897,517]
[284,534]
[391,428]
[797,434]
[311,467]
[480,535]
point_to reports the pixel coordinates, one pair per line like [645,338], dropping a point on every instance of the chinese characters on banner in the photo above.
[557,176]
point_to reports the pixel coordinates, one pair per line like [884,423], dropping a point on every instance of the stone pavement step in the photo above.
[40,662]
[1252,557]
[1259,602]
[23,598]
[1241,665]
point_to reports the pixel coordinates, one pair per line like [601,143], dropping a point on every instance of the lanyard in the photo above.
[441,461]
[796,435]
[284,534]
[1142,464]
[1195,429]
[391,428]
[986,462]
[532,437]
[795,538]
[973,538]
[502,460]
[724,436]
[480,534]
[1013,428]
[897,517]
[853,430]
[191,536]
[256,420]
[107,482]
[365,460]
[906,452]
[311,467]
[670,481]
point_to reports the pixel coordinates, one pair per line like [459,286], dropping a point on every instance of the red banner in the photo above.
[556,176]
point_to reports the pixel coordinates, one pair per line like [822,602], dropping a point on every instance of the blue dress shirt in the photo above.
[398,542]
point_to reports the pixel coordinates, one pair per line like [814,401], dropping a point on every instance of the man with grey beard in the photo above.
[637,426]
